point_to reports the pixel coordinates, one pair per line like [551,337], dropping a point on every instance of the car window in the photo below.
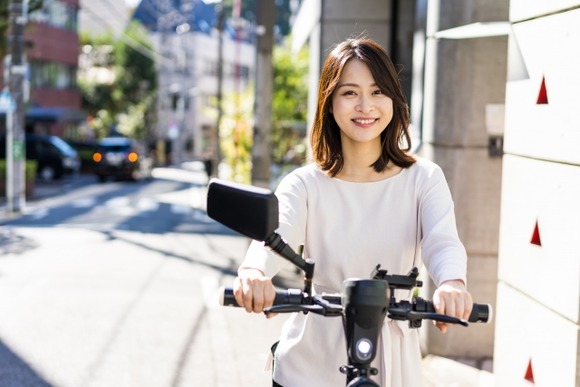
[63,146]
[115,148]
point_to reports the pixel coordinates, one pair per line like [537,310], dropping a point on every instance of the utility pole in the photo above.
[162,122]
[216,156]
[261,150]
[15,138]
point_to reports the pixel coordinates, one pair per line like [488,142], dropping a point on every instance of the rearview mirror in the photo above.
[249,210]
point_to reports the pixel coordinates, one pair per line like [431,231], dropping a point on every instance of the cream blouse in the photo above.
[348,228]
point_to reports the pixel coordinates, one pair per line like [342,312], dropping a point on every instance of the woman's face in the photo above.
[359,107]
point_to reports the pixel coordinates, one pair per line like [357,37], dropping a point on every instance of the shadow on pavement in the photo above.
[13,243]
[16,372]
[227,270]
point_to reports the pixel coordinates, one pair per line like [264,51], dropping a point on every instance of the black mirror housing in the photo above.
[249,210]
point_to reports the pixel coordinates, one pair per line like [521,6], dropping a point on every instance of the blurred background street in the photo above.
[117,285]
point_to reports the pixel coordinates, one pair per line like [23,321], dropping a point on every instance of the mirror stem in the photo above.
[276,243]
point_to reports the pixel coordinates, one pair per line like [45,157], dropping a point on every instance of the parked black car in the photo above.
[121,158]
[54,156]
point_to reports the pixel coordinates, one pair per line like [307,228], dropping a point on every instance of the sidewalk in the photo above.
[443,372]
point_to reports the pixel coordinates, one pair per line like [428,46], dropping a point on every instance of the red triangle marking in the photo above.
[529,373]
[536,236]
[543,95]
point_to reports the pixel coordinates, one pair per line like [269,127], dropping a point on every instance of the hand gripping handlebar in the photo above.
[295,300]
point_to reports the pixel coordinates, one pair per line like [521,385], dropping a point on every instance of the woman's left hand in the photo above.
[452,299]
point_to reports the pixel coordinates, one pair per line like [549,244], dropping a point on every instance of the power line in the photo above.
[136,45]
[111,8]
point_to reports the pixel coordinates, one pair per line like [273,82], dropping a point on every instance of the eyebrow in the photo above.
[353,85]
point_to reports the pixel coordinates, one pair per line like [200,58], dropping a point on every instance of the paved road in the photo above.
[117,285]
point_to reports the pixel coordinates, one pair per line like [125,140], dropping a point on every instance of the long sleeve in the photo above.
[443,253]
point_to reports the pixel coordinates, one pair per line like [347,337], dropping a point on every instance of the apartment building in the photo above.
[53,101]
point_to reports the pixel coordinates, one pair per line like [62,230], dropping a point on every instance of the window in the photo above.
[52,75]
[58,14]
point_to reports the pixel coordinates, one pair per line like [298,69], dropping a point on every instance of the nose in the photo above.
[364,104]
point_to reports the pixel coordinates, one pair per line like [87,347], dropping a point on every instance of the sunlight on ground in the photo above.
[191,172]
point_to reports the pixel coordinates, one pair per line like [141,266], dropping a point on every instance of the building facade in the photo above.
[538,305]
[54,101]
[200,66]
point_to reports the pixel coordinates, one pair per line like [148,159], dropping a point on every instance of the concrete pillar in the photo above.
[325,23]
[462,79]
[341,19]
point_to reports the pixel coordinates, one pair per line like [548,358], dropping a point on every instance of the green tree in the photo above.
[236,134]
[289,109]
[289,105]
[120,87]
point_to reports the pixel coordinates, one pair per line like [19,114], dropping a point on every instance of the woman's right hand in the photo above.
[253,290]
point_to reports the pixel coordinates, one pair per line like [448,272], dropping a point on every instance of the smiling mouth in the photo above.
[365,121]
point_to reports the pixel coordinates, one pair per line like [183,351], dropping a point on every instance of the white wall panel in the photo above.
[549,194]
[525,9]
[551,51]
[527,331]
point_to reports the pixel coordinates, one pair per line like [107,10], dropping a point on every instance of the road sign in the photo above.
[6,102]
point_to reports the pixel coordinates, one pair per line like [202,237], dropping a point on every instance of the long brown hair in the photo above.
[325,135]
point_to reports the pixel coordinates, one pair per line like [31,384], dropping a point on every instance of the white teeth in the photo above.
[365,122]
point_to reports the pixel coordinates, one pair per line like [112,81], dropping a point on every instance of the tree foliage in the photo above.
[33,5]
[119,89]
[289,105]
[236,134]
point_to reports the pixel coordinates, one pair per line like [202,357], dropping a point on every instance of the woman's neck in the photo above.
[358,163]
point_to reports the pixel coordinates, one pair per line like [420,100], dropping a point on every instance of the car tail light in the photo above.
[97,157]
[132,157]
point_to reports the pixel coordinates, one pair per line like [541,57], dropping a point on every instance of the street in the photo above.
[116,284]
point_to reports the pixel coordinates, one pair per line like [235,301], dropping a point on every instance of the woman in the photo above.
[364,201]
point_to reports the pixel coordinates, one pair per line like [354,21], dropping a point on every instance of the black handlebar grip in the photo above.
[227,297]
[283,297]
[480,313]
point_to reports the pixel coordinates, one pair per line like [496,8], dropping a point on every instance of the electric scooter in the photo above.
[363,304]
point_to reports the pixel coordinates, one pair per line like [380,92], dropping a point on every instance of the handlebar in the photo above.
[295,300]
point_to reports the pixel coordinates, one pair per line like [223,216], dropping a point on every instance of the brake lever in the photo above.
[319,306]
[410,315]
[438,317]
[289,308]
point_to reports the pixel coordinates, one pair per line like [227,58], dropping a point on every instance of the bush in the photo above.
[30,170]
